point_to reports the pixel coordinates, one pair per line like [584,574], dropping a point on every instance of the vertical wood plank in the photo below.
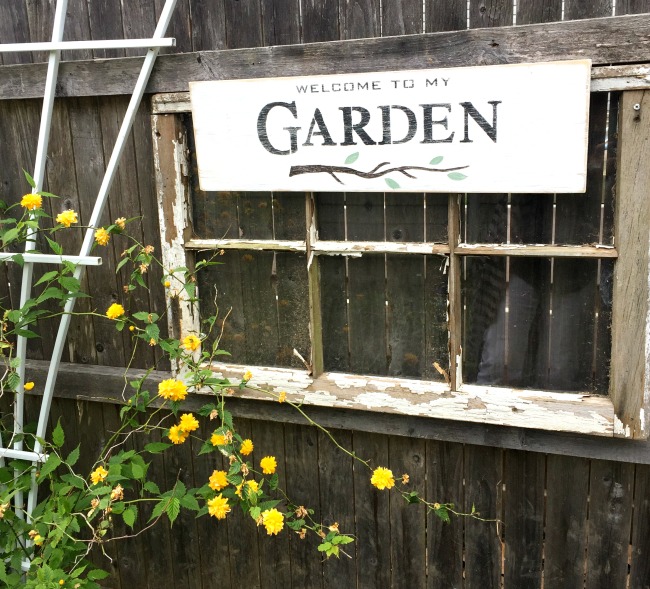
[534,11]
[640,563]
[566,521]
[629,380]
[483,479]
[184,536]
[180,26]
[281,22]
[405,282]
[367,319]
[242,532]
[105,17]
[243,24]
[444,484]
[490,13]
[401,17]
[301,451]
[336,354]
[610,510]
[372,512]
[436,329]
[14,29]
[524,518]
[320,20]
[40,15]
[208,25]
[579,9]
[447,15]
[336,471]
[274,551]
[360,19]
[407,522]
[139,22]
[77,28]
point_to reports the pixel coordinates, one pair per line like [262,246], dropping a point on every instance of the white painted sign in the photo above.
[504,128]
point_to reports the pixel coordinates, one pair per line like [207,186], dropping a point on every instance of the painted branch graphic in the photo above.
[378,171]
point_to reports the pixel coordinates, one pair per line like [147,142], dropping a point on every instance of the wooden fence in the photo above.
[573,510]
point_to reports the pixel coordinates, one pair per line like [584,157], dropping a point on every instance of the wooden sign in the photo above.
[505,128]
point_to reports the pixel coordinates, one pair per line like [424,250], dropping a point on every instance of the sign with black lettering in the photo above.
[504,128]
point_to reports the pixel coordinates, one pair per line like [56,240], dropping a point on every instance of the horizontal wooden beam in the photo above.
[106,384]
[611,40]
[536,250]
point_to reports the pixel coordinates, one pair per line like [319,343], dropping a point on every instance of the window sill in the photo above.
[552,411]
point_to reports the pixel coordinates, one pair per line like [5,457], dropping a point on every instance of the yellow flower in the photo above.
[31,201]
[131,327]
[61,582]
[28,386]
[115,311]
[152,342]
[177,435]
[217,440]
[191,343]
[218,507]
[382,478]
[102,237]
[167,284]
[172,389]
[282,397]
[66,218]
[98,475]
[247,375]
[117,494]
[273,521]
[218,480]
[3,508]
[120,222]
[253,486]
[38,540]
[188,422]
[246,447]
[268,464]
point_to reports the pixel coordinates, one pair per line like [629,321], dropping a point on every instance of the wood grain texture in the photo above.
[621,39]
[630,372]
[566,522]
[450,15]
[208,25]
[490,13]
[320,20]
[524,519]
[359,19]
[608,531]
[445,472]
[281,22]
[401,17]
[639,562]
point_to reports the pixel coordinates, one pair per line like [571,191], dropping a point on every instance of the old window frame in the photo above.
[623,413]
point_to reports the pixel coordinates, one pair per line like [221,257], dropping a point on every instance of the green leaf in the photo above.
[353,157]
[391,183]
[72,458]
[173,509]
[51,464]
[436,160]
[324,547]
[343,540]
[152,331]
[10,235]
[47,277]
[273,482]
[58,437]
[29,179]
[97,575]
[54,246]
[19,259]
[442,513]
[129,515]
[190,502]
[255,513]
[151,487]
[157,447]
[137,471]
[456,176]
[70,283]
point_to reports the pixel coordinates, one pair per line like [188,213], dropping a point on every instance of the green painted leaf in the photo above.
[353,157]
[436,160]
[391,183]
[456,176]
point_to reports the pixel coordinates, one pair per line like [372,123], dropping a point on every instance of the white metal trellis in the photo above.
[31,257]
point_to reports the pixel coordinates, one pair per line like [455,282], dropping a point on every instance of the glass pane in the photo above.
[385,315]
[265,298]
[537,323]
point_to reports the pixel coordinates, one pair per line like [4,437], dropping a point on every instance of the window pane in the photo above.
[570,219]
[399,217]
[265,296]
[537,323]
[385,315]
